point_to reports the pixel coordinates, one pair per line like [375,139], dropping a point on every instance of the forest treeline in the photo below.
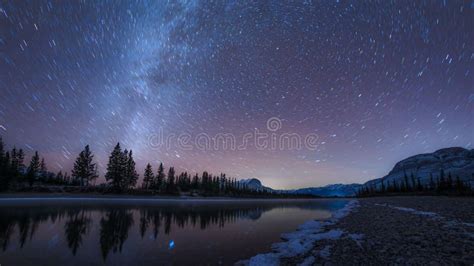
[121,176]
[441,185]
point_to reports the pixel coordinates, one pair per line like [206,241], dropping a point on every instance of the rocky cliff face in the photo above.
[254,184]
[455,161]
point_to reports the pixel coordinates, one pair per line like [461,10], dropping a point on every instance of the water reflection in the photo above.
[76,227]
[114,222]
[114,227]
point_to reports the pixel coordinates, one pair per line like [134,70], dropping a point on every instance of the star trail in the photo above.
[375,81]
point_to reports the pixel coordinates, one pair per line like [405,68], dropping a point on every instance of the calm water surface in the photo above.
[147,232]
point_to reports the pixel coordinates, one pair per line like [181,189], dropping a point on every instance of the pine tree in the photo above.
[449,183]
[397,186]
[442,181]
[131,176]
[432,183]
[84,170]
[413,182]
[7,163]
[159,178]
[116,168]
[4,165]
[2,152]
[67,179]
[195,182]
[406,186]
[148,177]
[205,181]
[419,186]
[59,178]
[14,162]
[16,166]
[33,169]
[20,163]
[171,181]
[43,170]
[459,185]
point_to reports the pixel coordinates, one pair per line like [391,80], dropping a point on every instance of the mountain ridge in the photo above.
[455,161]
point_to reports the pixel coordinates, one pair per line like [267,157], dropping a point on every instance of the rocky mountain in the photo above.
[254,184]
[456,161]
[334,190]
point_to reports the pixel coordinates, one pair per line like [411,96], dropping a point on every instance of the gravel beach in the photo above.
[400,231]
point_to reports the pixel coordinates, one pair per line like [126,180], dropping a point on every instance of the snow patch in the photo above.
[469,224]
[344,211]
[414,211]
[263,259]
[423,213]
[325,252]
[302,241]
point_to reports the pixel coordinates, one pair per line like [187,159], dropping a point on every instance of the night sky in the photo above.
[376,82]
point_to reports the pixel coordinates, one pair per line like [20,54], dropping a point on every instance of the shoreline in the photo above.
[298,243]
[20,195]
[395,230]
[85,198]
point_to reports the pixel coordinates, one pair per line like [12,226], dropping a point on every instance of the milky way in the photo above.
[376,82]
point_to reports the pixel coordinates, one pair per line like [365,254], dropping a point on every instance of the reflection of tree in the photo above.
[6,229]
[24,227]
[27,227]
[156,223]
[143,223]
[26,220]
[195,217]
[117,220]
[76,228]
[114,230]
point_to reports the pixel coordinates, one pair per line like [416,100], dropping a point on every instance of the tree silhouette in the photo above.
[4,167]
[34,168]
[84,170]
[148,177]
[160,178]
[43,171]
[131,175]
[171,180]
[116,168]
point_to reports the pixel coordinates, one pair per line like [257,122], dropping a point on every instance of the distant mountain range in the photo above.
[456,161]
[335,190]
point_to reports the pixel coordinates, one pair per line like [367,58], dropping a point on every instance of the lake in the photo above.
[133,231]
